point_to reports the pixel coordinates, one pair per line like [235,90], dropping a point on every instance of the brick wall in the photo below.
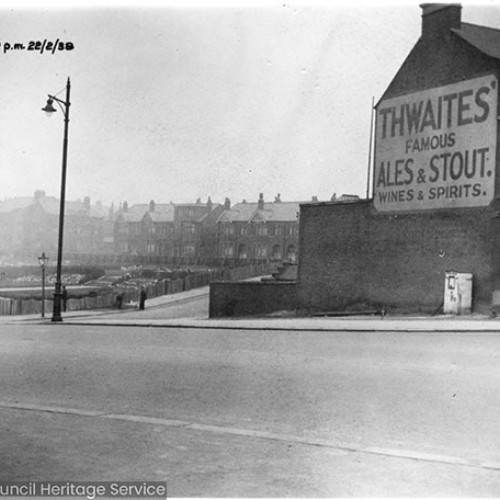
[354,257]
[251,298]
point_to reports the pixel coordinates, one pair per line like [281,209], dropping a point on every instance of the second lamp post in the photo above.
[42,260]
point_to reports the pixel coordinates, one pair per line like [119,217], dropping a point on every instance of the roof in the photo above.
[203,211]
[272,212]
[130,216]
[166,214]
[50,205]
[194,205]
[163,212]
[487,40]
[141,208]
[17,203]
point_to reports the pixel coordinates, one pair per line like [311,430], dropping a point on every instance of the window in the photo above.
[260,252]
[188,250]
[228,251]
[242,252]
[276,253]
[189,228]
[291,253]
[262,230]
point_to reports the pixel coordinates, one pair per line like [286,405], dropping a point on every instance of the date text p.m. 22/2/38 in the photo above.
[41,46]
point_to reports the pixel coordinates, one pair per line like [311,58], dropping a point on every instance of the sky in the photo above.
[177,101]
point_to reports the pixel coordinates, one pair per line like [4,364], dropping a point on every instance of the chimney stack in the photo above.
[439,18]
[261,201]
[39,193]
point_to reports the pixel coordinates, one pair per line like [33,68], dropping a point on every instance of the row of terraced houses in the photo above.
[257,230]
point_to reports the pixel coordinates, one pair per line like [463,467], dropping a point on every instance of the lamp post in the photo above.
[42,260]
[49,109]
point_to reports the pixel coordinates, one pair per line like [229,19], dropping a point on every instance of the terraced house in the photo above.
[145,229]
[167,230]
[259,231]
[29,226]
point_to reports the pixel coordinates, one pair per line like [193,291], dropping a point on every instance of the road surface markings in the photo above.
[274,436]
[145,420]
[52,409]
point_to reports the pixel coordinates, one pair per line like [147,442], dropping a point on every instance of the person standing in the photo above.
[119,299]
[142,298]
[65,298]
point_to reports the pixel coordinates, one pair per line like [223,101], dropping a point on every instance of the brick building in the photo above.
[259,231]
[145,229]
[30,225]
[167,230]
[196,229]
[436,185]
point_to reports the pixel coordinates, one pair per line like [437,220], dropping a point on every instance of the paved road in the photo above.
[253,413]
[180,307]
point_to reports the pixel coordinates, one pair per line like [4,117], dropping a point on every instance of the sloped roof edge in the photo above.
[483,38]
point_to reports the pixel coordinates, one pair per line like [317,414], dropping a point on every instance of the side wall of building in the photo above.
[353,256]
[398,261]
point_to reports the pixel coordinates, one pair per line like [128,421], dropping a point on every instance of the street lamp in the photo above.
[49,109]
[42,260]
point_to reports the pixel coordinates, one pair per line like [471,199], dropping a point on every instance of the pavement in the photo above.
[111,317]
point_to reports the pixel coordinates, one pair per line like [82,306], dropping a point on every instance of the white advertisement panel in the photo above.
[436,148]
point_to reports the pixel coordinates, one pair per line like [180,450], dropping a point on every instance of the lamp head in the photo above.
[49,109]
[43,259]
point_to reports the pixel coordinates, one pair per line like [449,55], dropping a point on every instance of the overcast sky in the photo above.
[201,99]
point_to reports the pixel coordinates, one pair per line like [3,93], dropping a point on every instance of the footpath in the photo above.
[129,316]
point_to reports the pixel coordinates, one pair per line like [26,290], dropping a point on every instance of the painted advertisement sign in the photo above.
[436,148]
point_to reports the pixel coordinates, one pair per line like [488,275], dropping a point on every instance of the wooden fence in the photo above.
[107,297]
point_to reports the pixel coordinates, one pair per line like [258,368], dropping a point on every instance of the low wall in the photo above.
[251,298]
